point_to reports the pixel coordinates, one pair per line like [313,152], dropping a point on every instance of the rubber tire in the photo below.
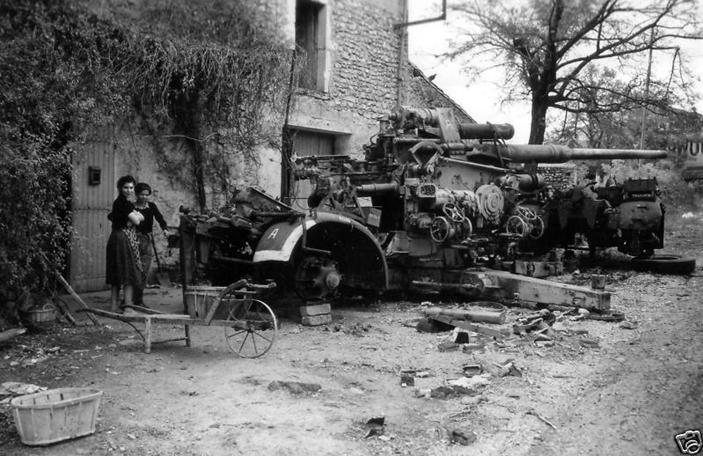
[664,264]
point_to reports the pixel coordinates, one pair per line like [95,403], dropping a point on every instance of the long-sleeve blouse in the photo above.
[121,208]
[150,212]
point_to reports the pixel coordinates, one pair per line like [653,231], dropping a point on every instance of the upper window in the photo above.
[310,38]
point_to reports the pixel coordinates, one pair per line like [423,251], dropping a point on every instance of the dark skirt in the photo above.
[121,267]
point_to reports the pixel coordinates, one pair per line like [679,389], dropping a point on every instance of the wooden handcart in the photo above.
[249,324]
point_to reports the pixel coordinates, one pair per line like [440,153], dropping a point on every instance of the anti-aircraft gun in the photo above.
[457,186]
[441,204]
[443,196]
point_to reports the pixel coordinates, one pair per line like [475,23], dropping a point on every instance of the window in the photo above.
[311,40]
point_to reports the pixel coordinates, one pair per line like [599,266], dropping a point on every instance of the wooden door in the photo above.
[93,193]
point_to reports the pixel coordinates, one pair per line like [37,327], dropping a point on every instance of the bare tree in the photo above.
[550,51]
[622,128]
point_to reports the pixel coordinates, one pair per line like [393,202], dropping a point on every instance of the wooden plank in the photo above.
[10,333]
[480,329]
[70,290]
[478,315]
[166,319]
[157,318]
[65,310]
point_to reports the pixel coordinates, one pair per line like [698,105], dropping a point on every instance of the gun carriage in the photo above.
[433,203]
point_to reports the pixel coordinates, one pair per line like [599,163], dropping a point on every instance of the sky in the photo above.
[482,99]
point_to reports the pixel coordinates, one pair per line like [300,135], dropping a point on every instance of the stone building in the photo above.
[356,70]
[422,92]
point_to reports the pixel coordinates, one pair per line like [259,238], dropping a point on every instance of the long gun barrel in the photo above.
[548,153]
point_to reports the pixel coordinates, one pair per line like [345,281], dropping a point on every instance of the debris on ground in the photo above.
[588,342]
[470,370]
[628,325]
[375,426]
[462,436]
[533,412]
[294,387]
[505,369]
[611,316]
[9,390]
[581,315]
[448,345]
[498,331]
[358,329]
[429,325]
[473,347]
[473,382]
[475,315]
[458,387]
[460,336]
[407,378]
[537,324]
[11,333]
[463,321]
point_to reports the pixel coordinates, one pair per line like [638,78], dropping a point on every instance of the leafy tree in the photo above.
[553,52]
[50,86]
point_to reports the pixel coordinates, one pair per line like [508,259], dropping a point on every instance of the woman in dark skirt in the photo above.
[123,267]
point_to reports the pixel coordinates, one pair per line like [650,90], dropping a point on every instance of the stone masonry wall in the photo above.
[363,81]
[560,176]
[364,77]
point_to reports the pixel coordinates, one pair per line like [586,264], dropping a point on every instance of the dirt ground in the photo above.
[602,388]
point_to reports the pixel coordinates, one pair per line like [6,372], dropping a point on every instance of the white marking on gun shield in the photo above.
[284,252]
[273,234]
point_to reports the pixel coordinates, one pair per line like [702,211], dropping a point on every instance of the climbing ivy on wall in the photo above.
[199,75]
[215,74]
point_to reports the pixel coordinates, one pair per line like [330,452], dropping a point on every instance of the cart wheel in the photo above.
[253,328]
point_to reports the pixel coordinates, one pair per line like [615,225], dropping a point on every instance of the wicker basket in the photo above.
[199,299]
[55,415]
[40,314]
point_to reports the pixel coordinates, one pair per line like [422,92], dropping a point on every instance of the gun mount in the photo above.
[437,201]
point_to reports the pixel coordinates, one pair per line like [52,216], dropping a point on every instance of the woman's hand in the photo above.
[135,217]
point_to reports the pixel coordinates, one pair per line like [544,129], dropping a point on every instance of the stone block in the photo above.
[316,320]
[315,309]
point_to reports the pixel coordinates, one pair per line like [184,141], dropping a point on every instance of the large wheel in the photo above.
[664,264]
[253,327]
